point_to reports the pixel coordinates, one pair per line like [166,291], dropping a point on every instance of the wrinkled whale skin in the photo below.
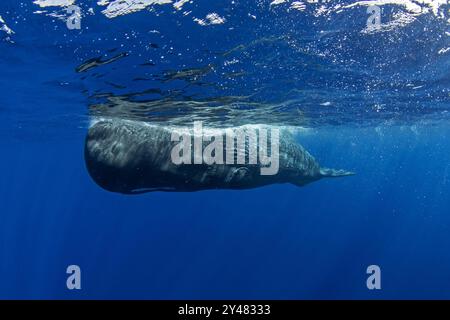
[133,157]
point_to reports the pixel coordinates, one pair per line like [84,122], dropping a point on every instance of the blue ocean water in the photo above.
[374,101]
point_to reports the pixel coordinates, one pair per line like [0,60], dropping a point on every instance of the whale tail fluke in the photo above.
[332,173]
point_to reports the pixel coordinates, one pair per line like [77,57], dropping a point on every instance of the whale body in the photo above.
[133,157]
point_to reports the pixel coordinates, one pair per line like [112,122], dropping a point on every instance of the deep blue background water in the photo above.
[274,242]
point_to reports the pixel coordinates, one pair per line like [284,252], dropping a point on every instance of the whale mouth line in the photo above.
[146,190]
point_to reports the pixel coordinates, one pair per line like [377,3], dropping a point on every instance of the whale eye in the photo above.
[241,173]
[238,174]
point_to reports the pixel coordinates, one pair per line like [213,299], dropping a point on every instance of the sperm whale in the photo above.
[133,157]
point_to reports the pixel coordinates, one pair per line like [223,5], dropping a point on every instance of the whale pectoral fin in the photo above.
[332,173]
[238,175]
